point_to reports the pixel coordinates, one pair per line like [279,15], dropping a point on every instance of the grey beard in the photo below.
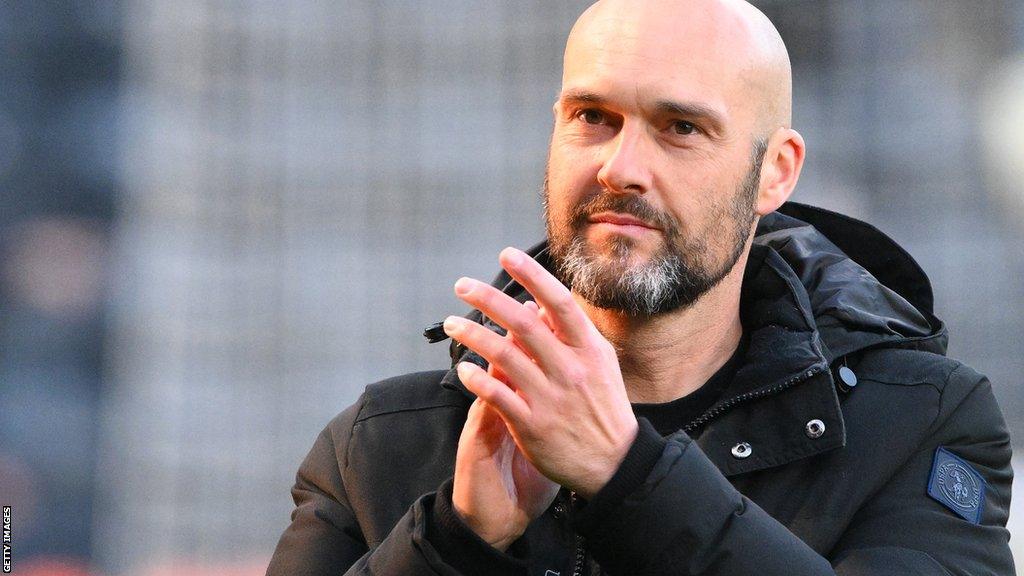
[665,283]
[669,280]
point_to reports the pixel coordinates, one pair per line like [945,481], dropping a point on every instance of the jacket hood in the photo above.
[853,286]
[865,291]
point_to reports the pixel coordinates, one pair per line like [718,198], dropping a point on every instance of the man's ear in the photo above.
[780,169]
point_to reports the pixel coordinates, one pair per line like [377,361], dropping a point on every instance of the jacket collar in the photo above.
[783,382]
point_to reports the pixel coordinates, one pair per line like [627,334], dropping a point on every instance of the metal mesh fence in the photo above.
[305,180]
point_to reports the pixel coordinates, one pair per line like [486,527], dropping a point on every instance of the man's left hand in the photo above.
[565,402]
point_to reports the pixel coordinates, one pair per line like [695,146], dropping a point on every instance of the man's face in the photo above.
[681,269]
[653,169]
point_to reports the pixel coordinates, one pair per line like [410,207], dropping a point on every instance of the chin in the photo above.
[623,250]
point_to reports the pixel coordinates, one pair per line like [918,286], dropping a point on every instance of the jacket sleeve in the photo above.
[687,518]
[904,531]
[324,537]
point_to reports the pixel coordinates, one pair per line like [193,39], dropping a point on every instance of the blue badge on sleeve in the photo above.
[957,485]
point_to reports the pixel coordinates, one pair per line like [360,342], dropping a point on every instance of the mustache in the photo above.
[630,204]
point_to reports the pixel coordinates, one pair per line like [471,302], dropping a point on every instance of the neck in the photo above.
[668,356]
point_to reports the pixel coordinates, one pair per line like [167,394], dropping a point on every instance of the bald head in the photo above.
[676,112]
[727,48]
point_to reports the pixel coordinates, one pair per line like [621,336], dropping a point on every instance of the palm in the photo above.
[497,491]
[529,491]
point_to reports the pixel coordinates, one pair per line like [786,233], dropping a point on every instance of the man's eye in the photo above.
[683,127]
[591,116]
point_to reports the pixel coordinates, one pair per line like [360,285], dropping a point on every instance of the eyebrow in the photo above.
[580,96]
[693,110]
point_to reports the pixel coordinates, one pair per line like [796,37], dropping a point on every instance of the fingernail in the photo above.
[513,256]
[452,325]
[463,286]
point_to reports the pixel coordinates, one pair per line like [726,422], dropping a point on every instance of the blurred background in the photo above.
[219,220]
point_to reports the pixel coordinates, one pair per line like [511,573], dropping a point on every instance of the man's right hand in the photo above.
[496,491]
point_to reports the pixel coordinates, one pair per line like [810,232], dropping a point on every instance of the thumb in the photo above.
[483,423]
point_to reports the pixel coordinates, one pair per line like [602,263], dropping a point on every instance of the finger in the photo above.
[570,323]
[475,417]
[494,370]
[499,351]
[496,394]
[532,306]
[541,313]
[497,373]
[512,338]
[536,338]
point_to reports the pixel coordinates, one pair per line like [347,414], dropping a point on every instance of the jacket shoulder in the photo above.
[408,392]
[926,392]
[399,444]
[915,367]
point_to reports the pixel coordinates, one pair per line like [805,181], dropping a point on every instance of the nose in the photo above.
[625,168]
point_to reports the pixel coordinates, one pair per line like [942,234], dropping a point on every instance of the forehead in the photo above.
[643,55]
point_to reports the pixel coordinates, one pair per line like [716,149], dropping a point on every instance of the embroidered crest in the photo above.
[957,485]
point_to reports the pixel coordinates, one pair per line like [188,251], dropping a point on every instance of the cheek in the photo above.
[699,184]
[697,169]
[687,194]
[570,179]
[559,212]
[572,160]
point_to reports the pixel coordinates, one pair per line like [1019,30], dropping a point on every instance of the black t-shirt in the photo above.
[669,417]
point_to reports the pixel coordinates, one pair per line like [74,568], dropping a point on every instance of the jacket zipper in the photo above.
[715,411]
[581,544]
[581,555]
[580,551]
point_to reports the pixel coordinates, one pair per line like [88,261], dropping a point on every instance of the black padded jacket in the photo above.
[847,443]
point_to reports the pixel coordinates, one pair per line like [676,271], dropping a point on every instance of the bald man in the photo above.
[689,376]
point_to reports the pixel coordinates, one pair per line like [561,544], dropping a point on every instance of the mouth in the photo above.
[622,221]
